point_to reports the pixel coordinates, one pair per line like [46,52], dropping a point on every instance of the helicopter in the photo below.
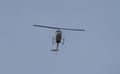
[58,34]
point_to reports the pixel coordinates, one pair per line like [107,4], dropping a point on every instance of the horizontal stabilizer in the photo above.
[54,50]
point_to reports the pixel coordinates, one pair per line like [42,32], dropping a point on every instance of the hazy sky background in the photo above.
[25,49]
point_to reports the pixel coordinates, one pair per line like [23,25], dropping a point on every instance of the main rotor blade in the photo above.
[72,29]
[58,28]
[46,26]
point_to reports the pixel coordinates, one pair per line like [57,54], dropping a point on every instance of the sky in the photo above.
[25,49]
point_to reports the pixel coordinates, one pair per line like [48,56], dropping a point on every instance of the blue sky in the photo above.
[25,49]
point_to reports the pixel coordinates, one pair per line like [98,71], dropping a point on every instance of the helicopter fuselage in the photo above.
[58,36]
[58,39]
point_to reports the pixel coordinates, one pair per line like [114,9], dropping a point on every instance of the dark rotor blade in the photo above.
[72,29]
[46,26]
[58,28]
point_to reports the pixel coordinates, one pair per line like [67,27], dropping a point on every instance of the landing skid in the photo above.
[63,39]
